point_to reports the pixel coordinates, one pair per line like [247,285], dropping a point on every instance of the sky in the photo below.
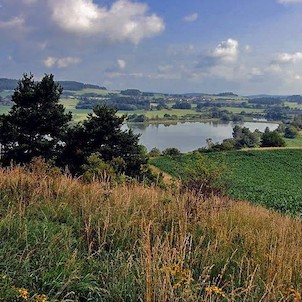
[171,46]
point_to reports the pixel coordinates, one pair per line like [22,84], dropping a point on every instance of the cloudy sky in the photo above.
[244,46]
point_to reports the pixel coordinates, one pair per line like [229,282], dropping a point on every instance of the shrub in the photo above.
[171,152]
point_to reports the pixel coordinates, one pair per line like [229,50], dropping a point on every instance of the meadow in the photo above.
[66,240]
[271,178]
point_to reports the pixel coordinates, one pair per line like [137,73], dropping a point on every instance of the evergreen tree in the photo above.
[101,133]
[36,124]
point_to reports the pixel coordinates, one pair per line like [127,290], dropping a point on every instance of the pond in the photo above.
[189,136]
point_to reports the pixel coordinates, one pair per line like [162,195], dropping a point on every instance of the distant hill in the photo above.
[74,86]
[195,94]
[10,84]
[7,84]
[265,96]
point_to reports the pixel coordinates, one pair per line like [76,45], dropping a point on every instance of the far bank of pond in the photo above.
[189,136]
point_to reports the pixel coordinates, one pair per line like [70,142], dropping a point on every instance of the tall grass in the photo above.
[73,241]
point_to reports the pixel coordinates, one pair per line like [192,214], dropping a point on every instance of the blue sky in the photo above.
[244,46]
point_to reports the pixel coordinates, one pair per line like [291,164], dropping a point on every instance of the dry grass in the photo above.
[74,242]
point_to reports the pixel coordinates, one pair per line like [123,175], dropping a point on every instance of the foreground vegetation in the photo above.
[65,240]
[271,178]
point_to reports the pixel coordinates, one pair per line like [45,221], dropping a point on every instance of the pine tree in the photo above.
[101,133]
[36,124]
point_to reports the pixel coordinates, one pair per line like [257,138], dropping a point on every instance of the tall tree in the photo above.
[101,133]
[36,124]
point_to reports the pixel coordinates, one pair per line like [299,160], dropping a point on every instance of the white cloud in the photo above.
[49,62]
[191,18]
[123,21]
[283,58]
[60,62]
[289,1]
[16,22]
[121,63]
[226,51]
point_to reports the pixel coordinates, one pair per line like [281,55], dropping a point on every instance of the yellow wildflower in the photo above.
[215,290]
[40,298]
[23,293]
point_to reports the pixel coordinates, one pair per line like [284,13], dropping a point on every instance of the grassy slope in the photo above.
[271,178]
[78,242]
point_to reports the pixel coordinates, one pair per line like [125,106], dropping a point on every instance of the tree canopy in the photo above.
[102,133]
[37,126]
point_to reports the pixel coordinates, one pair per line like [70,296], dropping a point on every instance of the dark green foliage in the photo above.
[154,152]
[266,101]
[102,133]
[171,152]
[291,132]
[135,118]
[36,124]
[272,139]
[244,138]
[276,113]
[75,86]
[295,98]
[132,92]
[182,105]
[116,102]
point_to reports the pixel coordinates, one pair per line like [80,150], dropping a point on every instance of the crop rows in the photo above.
[272,178]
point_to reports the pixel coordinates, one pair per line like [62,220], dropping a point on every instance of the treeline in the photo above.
[266,101]
[116,102]
[10,84]
[243,137]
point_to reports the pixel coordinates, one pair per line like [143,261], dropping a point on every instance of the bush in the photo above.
[154,152]
[97,169]
[171,152]
[205,177]
[272,139]
[291,132]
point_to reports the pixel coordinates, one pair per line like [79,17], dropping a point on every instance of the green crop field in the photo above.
[96,91]
[272,178]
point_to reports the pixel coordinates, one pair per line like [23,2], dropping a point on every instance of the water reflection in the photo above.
[188,136]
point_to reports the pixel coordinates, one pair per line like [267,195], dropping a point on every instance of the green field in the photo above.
[69,103]
[272,178]
[239,110]
[96,91]
[4,109]
[161,113]
[294,142]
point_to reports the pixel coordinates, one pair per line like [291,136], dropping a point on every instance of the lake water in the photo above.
[189,136]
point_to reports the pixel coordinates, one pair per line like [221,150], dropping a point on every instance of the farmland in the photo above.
[271,178]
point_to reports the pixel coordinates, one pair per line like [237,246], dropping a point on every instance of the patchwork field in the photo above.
[272,178]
